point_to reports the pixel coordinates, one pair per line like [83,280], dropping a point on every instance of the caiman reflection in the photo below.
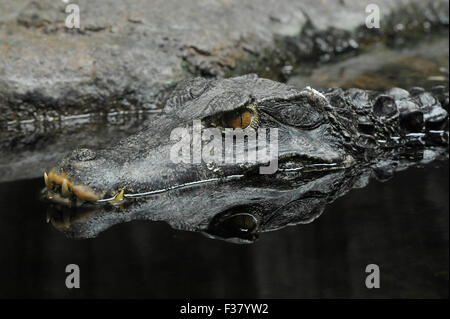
[328,143]
[236,211]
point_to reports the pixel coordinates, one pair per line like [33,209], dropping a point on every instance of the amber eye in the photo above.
[241,120]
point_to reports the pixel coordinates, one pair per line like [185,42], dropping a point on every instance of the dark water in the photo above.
[401,225]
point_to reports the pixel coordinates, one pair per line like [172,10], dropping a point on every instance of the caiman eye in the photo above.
[241,118]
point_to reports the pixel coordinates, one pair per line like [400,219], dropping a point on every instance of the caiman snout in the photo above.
[65,182]
[61,188]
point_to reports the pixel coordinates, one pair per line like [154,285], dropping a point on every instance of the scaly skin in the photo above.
[339,128]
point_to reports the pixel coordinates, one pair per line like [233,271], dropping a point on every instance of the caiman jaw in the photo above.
[61,190]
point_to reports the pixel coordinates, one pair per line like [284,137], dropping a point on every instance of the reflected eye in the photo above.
[234,223]
[240,223]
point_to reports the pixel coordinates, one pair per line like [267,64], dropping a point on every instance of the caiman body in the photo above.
[327,142]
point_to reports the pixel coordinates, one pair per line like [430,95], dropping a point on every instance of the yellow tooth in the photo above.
[47,182]
[65,188]
[118,198]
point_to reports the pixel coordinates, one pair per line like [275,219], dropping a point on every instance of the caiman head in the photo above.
[314,132]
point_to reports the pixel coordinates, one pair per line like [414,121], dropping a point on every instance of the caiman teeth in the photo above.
[65,188]
[47,182]
[54,179]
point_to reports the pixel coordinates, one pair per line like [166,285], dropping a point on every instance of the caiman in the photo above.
[328,142]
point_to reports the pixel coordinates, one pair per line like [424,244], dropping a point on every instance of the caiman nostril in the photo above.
[83,155]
